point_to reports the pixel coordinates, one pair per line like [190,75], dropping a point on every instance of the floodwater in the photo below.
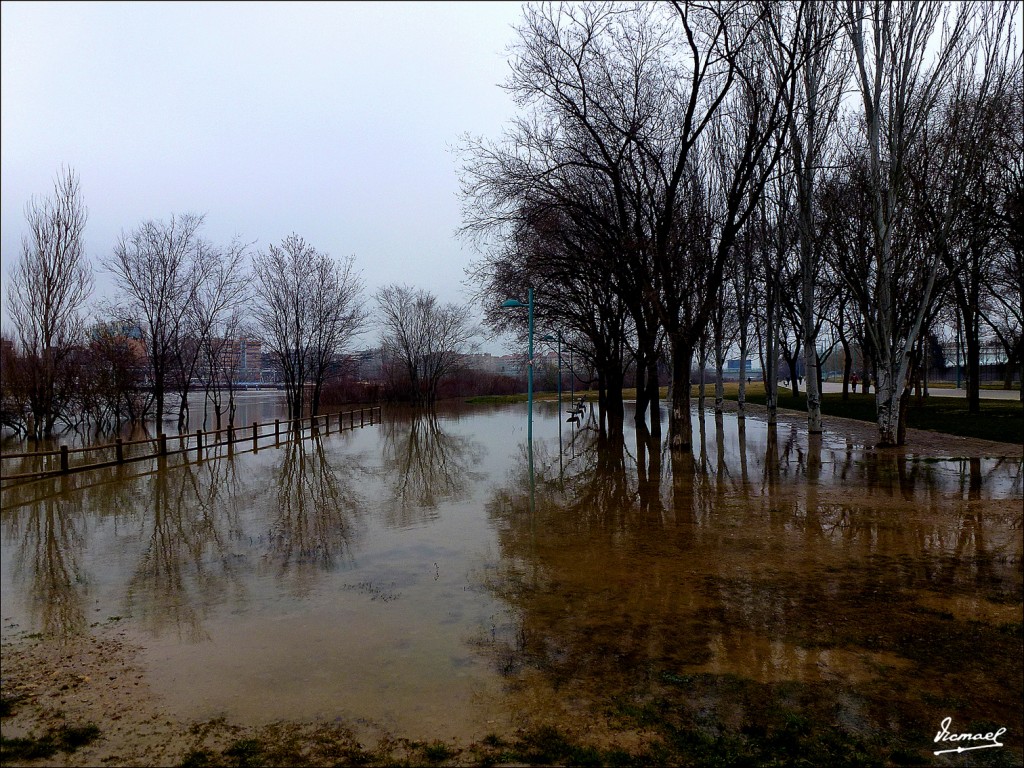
[434,577]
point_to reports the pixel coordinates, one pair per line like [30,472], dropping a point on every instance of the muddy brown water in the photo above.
[435,578]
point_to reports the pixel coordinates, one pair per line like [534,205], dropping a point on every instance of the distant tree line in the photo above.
[183,307]
[689,179]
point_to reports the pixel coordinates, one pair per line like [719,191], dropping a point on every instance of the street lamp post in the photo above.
[529,362]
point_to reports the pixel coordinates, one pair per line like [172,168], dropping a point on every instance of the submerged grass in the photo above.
[64,739]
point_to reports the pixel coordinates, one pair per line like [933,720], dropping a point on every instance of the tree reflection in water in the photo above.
[50,535]
[314,519]
[188,536]
[424,466]
[185,517]
[867,590]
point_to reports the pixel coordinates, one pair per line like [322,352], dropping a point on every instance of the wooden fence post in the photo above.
[351,419]
[199,445]
[362,417]
[255,437]
[64,459]
[277,431]
[119,450]
[162,442]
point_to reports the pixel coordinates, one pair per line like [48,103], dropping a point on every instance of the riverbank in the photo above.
[86,702]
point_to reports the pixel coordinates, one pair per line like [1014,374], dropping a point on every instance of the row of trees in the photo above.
[183,303]
[688,178]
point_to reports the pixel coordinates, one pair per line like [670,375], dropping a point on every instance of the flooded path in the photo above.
[433,579]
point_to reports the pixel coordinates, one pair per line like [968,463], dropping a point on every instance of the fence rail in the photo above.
[123,452]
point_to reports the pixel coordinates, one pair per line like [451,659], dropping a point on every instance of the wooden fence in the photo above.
[59,462]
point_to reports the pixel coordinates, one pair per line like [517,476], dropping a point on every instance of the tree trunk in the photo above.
[973,343]
[654,397]
[642,393]
[847,367]
[812,375]
[616,408]
[741,397]
[719,375]
[887,402]
[158,393]
[680,425]
[904,406]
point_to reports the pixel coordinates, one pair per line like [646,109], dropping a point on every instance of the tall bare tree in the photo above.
[724,147]
[159,268]
[424,339]
[307,309]
[906,54]
[815,31]
[216,318]
[957,170]
[47,290]
[338,313]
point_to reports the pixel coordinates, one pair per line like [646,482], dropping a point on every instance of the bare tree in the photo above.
[47,289]
[115,361]
[814,30]
[307,310]
[743,275]
[559,191]
[731,128]
[337,314]
[954,176]
[215,320]
[159,268]
[906,54]
[424,339]
[1004,312]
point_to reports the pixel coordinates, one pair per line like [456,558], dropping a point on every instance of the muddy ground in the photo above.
[88,703]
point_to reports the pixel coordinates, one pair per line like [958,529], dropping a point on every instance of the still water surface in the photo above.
[417,575]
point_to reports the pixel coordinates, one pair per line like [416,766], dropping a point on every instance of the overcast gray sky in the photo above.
[334,120]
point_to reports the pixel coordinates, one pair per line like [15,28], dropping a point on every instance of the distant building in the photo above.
[242,358]
[732,368]
[122,330]
[487,363]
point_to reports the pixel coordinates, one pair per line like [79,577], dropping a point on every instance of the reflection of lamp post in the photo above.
[529,361]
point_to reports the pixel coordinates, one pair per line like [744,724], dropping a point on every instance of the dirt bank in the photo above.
[91,688]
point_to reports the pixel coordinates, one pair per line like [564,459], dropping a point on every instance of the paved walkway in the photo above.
[986,394]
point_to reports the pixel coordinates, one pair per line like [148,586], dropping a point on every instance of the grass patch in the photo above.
[438,752]
[63,739]
[9,705]
[245,752]
[1000,420]
[496,399]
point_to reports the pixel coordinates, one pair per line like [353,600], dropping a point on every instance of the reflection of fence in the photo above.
[59,462]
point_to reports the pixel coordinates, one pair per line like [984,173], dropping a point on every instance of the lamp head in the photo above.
[513,303]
